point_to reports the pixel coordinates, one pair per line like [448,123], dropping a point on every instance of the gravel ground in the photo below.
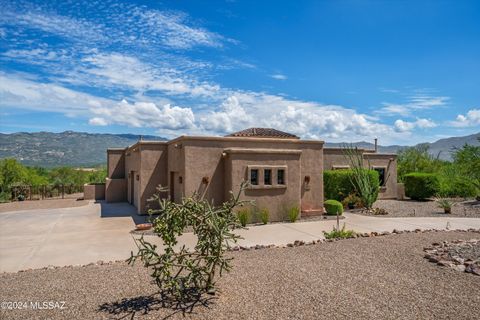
[365,278]
[404,208]
[43,204]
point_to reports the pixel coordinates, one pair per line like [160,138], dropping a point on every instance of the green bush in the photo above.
[338,185]
[420,186]
[293,214]
[243,216]
[332,207]
[264,215]
[457,187]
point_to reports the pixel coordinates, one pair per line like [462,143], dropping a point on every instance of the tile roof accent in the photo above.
[263,133]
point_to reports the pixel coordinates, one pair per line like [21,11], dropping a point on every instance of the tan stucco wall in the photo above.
[132,169]
[277,199]
[116,163]
[194,160]
[333,157]
[94,191]
[389,162]
[153,172]
[203,158]
[116,190]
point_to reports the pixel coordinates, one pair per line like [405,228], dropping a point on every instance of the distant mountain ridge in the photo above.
[83,149]
[69,148]
[442,148]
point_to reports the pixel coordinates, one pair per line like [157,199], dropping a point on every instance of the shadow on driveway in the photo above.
[120,209]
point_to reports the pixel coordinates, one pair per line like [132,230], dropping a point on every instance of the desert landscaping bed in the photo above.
[405,208]
[366,278]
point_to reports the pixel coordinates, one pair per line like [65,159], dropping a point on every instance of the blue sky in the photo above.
[402,71]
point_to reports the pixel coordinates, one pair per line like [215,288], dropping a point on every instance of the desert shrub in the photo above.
[243,216]
[420,186]
[444,203]
[332,207]
[417,159]
[352,199]
[4,197]
[178,271]
[339,233]
[457,187]
[293,213]
[366,183]
[338,185]
[264,215]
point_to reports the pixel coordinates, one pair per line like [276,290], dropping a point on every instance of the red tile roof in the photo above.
[263,133]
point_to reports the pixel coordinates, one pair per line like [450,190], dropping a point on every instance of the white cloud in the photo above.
[279,76]
[236,111]
[19,92]
[306,119]
[415,103]
[145,114]
[114,23]
[470,119]
[172,29]
[404,126]
[121,70]
[98,122]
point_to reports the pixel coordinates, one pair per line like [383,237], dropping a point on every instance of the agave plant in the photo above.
[445,204]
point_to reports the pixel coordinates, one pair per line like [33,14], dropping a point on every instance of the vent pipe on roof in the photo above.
[376,145]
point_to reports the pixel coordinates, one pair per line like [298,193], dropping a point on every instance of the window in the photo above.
[281,176]
[381,176]
[340,167]
[254,177]
[267,177]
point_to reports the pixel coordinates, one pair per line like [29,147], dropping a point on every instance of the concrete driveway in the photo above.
[100,231]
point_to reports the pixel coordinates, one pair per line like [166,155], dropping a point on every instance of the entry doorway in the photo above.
[175,187]
[133,189]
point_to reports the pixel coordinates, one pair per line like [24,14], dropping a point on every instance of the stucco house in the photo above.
[282,169]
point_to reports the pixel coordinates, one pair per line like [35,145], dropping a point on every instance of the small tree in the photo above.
[366,188]
[179,272]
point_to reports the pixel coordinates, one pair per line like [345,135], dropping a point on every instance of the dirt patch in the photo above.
[365,278]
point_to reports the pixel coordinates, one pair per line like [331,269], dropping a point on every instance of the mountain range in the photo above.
[70,148]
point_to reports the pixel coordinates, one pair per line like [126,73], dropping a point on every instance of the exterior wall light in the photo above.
[307,182]
[205,180]
[180,180]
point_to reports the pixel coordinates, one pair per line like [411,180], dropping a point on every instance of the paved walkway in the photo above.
[100,231]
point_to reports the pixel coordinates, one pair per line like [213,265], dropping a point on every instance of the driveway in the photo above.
[101,231]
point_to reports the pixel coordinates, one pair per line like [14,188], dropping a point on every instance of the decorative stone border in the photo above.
[296,243]
[440,254]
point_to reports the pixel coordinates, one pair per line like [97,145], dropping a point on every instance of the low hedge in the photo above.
[332,207]
[337,184]
[421,186]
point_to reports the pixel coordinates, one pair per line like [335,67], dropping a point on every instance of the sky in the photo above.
[340,71]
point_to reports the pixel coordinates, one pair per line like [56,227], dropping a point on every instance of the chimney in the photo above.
[376,145]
